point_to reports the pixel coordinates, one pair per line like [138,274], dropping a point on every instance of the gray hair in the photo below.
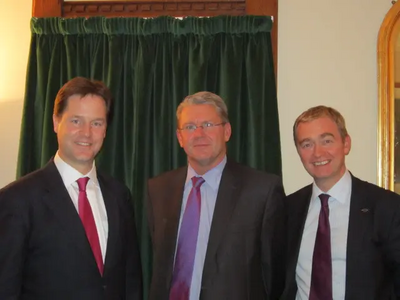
[204,98]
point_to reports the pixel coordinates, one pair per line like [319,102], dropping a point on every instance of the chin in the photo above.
[203,161]
[84,158]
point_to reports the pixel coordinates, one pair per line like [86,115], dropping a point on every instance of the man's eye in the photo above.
[208,124]
[190,127]
[75,121]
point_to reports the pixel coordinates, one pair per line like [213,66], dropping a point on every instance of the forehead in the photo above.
[86,103]
[316,128]
[198,112]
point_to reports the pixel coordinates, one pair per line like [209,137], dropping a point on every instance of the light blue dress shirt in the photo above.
[209,191]
[339,210]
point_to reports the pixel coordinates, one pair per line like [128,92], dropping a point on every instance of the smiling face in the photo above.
[322,150]
[205,149]
[81,129]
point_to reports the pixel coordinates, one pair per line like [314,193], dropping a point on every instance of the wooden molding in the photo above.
[46,8]
[153,8]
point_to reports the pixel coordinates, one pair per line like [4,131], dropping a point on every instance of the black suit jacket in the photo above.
[244,257]
[44,252]
[373,242]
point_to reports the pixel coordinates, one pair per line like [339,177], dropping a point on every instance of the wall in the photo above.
[14,47]
[327,55]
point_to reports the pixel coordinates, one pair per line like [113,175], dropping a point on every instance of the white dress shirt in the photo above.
[339,210]
[209,191]
[69,176]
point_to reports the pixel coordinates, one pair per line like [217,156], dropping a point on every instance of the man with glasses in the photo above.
[216,226]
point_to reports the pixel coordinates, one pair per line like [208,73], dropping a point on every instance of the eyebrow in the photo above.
[303,141]
[83,117]
[324,135]
[327,134]
[194,123]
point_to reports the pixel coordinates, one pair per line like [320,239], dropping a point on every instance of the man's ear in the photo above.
[179,137]
[56,122]
[227,131]
[347,144]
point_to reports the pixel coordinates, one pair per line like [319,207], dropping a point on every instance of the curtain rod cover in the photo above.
[148,26]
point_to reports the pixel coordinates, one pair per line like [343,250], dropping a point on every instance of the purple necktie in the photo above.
[187,241]
[321,276]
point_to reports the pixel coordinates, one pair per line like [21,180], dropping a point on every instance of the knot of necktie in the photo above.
[197,182]
[324,199]
[82,183]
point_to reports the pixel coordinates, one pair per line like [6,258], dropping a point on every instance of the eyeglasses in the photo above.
[206,126]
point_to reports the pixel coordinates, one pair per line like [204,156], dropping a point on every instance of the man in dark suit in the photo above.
[67,230]
[220,238]
[343,233]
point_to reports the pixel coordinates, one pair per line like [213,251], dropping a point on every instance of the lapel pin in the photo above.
[364,210]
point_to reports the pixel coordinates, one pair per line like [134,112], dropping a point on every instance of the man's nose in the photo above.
[86,129]
[199,131]
[318,150]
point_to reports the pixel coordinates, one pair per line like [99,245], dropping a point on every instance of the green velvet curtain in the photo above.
[150,65]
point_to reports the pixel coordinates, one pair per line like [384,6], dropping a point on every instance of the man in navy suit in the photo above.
[58,239]
[343,233]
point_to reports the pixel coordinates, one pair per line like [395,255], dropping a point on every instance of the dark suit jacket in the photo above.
[244,253]
[44,252]
[373,242]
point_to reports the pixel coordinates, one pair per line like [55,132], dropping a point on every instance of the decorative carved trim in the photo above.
[386,126]
[154,8]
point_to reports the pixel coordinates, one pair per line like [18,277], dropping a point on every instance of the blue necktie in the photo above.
[321,275]
[187,242]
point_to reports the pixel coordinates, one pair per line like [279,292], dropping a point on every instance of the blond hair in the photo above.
[320,111]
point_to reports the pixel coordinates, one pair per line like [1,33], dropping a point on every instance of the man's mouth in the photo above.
[321,163]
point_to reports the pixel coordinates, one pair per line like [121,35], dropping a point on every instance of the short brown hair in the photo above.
[318,112]
[204,98]
[83,87]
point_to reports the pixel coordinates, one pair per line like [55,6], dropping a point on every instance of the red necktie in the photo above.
[321,275]
[86,215]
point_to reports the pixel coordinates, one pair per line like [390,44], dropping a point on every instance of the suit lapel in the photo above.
[359,220]
[226,201]
[298,211]
[172,202]
[59,201]
[111,206]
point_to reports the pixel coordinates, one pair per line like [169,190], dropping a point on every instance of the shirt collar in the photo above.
[70,175]
[340,191]
[211,177]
